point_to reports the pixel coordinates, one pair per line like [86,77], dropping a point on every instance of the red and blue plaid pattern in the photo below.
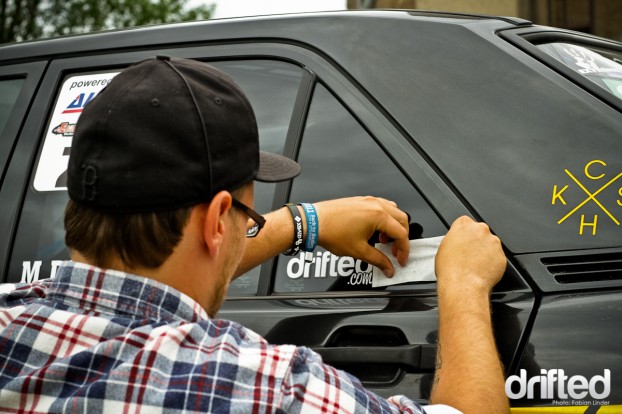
[104,341]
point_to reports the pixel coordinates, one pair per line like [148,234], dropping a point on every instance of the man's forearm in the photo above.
[345,226]
[469,375]
[274,238]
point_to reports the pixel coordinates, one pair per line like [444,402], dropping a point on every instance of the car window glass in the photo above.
[9,90]
[603,67]
[340,159]
[39,246]
[271,87]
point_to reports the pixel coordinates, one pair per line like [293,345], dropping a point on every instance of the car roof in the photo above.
[317,29]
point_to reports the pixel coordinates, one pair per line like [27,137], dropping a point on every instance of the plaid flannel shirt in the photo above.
[95,341]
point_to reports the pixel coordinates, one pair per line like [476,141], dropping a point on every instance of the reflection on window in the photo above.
[9,90]
[271,87]
[601,67]
[340,159]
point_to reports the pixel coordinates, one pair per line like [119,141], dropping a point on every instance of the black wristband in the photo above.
[298,242]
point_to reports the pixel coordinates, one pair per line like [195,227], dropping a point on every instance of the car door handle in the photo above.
[416,357]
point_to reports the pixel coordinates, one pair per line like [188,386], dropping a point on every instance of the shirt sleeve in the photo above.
[440,409]
[312,386]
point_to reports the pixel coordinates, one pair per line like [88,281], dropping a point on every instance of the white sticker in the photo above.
[420,266]
[76,92]
[324,264]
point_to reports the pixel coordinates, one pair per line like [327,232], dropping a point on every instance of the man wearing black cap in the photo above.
[156,223]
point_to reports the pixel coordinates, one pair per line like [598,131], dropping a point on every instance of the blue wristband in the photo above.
[312,227]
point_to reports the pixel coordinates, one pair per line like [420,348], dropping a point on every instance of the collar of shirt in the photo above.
[115,293]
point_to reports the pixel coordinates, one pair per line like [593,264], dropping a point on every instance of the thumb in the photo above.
[376,258]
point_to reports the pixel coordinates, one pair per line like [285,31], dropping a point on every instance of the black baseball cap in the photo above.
[167,133]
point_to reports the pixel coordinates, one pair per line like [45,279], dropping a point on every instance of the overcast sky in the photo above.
[233,8]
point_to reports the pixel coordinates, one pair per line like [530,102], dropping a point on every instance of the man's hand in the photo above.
[469,375]
[346,224]
[469,257]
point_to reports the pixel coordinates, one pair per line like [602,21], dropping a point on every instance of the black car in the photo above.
[511,123]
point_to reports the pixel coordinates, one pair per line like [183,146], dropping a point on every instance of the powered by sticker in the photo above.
[75,94]
[598,186]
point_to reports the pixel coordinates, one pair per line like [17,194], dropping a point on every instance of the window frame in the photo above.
[370,140]
[31,74]
[378,123]
[59,71]
[10,154]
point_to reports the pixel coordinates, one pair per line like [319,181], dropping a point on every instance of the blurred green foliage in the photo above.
[32,19]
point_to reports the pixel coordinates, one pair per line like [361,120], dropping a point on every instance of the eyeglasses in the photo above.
[259,220]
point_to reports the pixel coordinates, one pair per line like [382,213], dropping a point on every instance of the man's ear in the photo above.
[214,225]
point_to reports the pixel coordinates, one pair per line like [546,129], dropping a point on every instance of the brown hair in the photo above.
[138,240]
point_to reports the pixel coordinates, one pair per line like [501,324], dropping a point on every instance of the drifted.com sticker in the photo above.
[324,264]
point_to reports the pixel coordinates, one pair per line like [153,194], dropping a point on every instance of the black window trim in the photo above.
[31,74]
[10,152]
[292,146]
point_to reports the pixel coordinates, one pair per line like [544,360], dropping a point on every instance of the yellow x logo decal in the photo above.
[591,196]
